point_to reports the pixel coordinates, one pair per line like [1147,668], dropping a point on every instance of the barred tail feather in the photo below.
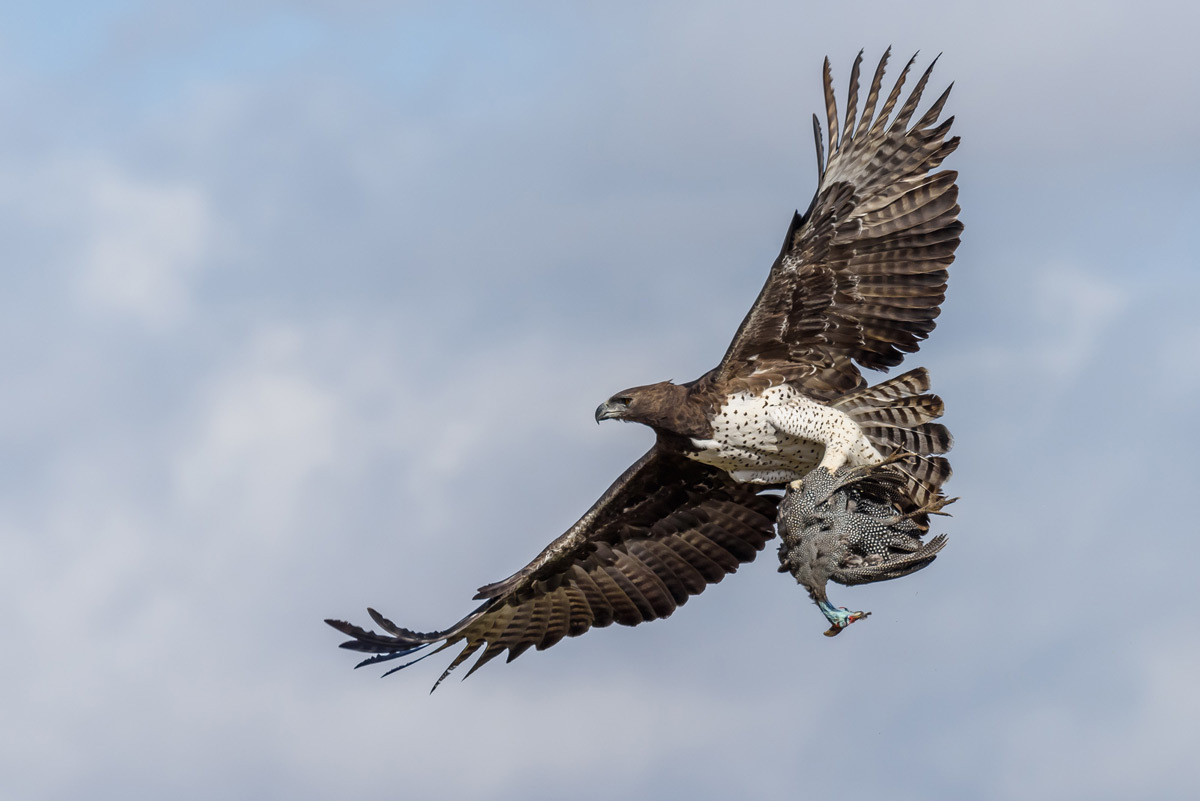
[897,417]
[927,438]
[906,385]
[923,478]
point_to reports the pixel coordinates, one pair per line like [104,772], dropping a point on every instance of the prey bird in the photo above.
[848,527]
[858,283]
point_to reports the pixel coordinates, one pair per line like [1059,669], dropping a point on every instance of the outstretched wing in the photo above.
[862,275]
[666,529]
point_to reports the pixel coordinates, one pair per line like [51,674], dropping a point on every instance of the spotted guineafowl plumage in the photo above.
[848,527]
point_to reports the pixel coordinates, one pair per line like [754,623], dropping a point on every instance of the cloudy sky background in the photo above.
[307,306]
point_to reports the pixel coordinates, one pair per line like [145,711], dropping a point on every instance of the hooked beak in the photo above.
[610,409]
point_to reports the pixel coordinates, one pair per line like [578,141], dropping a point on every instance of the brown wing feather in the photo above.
[861,277]
[662,532]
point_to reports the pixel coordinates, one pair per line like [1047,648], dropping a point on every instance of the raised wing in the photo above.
[862,275]
[666,529]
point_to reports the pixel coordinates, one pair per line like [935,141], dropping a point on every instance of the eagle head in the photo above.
[640,404]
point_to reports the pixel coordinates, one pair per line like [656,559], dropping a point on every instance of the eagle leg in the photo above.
[842,437]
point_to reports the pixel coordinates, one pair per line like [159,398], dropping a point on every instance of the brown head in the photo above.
[663,406]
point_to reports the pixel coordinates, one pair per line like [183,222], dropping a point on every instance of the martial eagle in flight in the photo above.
[858,284]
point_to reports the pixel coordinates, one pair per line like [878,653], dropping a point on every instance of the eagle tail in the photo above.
[897,417]
[922,477]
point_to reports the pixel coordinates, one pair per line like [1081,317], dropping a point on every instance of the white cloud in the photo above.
[1075,308]
[1135,742]
[266,428]
[145,241]
[126,246]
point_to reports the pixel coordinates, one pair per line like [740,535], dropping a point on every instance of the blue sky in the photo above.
[307,307]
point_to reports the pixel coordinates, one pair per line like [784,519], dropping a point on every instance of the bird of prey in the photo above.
[857,284]
[845,526]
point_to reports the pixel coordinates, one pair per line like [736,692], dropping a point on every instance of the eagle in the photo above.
[858,283]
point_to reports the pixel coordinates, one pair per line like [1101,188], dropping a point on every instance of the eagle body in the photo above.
[767,431]
[857,285]
[747,441]
[768,434]
[778,435]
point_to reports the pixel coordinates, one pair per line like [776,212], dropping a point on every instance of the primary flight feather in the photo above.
[858,283]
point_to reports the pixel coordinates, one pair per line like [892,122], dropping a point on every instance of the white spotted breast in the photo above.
[745,439]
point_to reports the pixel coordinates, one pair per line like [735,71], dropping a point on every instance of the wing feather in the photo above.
[830,108]
[658,559]
[820,147]
[558,623]
[665,530]
[873,93]
[710,570]
[852,96]
[890,103]
[935,110]
[583,613]
[862,275]
[910,106]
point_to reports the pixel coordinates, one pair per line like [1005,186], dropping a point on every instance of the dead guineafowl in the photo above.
[852,526]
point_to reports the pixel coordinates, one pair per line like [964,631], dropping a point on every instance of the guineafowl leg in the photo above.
[839,616]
